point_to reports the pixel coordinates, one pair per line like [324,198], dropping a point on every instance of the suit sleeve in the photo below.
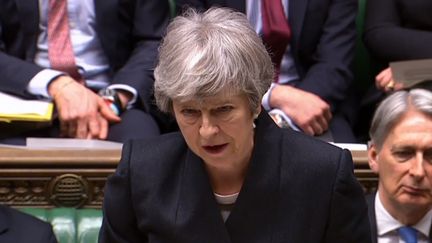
[149,25]
[119,223]
[387,39]
[329,74]
[348,220]
[15,73]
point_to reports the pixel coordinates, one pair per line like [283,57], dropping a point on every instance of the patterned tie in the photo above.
[60,52]
[408,234]
[276,30]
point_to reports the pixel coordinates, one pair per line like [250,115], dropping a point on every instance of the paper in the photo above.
[13,108]
[412,72]
[70,143]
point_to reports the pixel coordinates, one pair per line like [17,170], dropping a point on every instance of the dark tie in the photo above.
[408,234]
[60,52]
[276,30]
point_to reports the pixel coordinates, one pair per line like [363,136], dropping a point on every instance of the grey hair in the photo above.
[203,54]
[392,108]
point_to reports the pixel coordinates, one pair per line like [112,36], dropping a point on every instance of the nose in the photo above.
[417,169]
[208,127]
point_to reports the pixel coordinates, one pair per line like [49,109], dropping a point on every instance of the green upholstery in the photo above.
[71,225]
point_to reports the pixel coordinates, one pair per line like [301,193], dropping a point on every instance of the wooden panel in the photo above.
[76,177]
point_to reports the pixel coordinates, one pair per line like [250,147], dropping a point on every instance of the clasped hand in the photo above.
[82,113]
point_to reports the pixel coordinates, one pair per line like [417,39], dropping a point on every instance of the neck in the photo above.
[405,214]
[226,181]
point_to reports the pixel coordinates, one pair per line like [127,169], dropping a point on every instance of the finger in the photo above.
[81,129]
[103,131]
[323,123]
[328,115]
[317,128]
[107,113]
[390,86]
[308,130]
[94,127]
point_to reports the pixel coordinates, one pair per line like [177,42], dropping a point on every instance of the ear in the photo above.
[257,112]
[373,158]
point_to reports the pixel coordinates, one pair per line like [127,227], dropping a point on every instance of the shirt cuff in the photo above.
[38,85]
[128,89]
[265,102]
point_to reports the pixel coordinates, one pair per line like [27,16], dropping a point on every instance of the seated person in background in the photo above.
[93,47]
[397,30]
[230,174]
[18,227]
[312,48]
[400,151]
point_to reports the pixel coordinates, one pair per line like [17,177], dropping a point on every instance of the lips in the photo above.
[415,190]
[215,149]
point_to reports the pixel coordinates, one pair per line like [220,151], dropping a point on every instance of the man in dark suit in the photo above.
[400,152]
[115,46]
[18,227]
[316,63]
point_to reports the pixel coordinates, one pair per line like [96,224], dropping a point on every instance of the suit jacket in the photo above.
[129,40]
[297,189]
[372,217]
[397,30]
[322,40]
[18,227]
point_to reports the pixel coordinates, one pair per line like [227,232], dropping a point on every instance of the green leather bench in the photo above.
[71,225]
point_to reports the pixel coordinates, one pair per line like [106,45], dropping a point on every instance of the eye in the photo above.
[428,156]
[403,155]
[224,109]
[189,112]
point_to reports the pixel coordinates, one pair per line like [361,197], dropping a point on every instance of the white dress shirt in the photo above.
[89,56]
[387,225]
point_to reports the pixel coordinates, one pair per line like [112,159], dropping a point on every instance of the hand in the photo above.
[384,81]
[82,113]
[308,111]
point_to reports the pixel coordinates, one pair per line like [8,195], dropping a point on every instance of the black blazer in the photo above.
[372,217]
[297,189]
[397,30]
[18,227]
[129,31]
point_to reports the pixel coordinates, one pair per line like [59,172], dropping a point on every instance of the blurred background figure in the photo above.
[94,59]
[18,227]
[230,174]
[397,30]
[312,48]
[400,151]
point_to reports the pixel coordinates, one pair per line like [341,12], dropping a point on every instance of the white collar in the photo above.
[226,199]
[386,223]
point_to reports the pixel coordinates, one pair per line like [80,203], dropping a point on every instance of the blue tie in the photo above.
[409,234]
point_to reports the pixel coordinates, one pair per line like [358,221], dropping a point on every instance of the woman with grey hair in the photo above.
[230,174]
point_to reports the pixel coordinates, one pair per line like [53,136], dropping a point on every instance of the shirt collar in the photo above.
[386,223]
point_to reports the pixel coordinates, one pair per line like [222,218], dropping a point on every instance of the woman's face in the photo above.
[219,129]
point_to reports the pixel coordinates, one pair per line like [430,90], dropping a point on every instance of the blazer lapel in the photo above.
[198,217]
[370,199]
[297,11]
[252,218]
